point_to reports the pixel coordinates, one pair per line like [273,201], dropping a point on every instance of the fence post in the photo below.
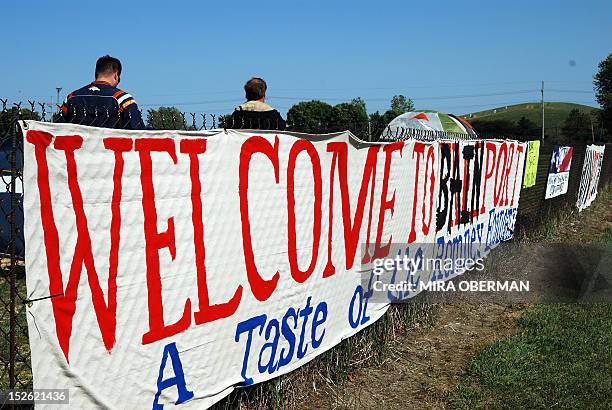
[12,272]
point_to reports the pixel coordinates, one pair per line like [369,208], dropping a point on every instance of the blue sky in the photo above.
[455,56]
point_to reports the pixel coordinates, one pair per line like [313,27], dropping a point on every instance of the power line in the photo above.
[453,108]
[358,86]
[572,91]
[418,99]
[445,97]
[233,100]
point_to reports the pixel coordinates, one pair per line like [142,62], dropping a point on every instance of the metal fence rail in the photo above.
[15,366]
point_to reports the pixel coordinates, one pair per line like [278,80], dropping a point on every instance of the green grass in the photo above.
[555,112]
[607,237]
[561,358]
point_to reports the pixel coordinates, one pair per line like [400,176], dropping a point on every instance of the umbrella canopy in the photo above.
[433,124]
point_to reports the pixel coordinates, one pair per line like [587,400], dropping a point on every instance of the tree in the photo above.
[9,134]
[377,125]
[527,128]
[224,121]
[494,128]
[577,126]
[359,103]
[603,92]
[9,117]
[401,104]
[389,116]
[166,118]
[352,116]
[57,117]
[310,116]
[320,117]
[378,122]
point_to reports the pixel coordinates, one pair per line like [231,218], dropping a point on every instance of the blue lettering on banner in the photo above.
[304,313]
[415,264]
[178,380]
[359,301]
[462,246]
[270,359]
[273,346]
[500,227]
[285,358]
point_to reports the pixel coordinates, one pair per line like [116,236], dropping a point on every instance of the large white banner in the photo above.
[589,180]
[183,264]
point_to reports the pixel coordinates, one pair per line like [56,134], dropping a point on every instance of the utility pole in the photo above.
[542,110]
[58,95]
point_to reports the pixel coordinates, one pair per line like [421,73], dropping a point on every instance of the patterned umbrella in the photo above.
[428,125]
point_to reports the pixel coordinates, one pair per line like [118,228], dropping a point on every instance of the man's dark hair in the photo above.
[255,89]
[108,65]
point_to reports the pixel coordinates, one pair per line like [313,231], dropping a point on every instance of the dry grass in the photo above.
[372,346]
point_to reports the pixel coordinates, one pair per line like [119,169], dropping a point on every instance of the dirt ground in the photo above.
[424,364]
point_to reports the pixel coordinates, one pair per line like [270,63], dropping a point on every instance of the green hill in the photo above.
[554,112]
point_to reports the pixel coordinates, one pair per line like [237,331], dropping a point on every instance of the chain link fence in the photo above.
[533,209]
[14,349]
[15,367]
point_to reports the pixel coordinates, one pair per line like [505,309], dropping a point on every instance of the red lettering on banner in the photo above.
[499,183]
[339,152]
[432,182]
[306,146]
[506,181]
[385,204]
[519,151]
[118,146]
[154,241]
[64,306]
[419,150]
[206,312]
[261,288]
[491,153]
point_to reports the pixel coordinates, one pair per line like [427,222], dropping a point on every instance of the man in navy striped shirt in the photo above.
[101,103]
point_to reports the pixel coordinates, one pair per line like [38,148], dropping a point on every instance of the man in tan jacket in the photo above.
[255,113]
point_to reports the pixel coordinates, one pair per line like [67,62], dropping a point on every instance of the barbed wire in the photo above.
[173,119]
